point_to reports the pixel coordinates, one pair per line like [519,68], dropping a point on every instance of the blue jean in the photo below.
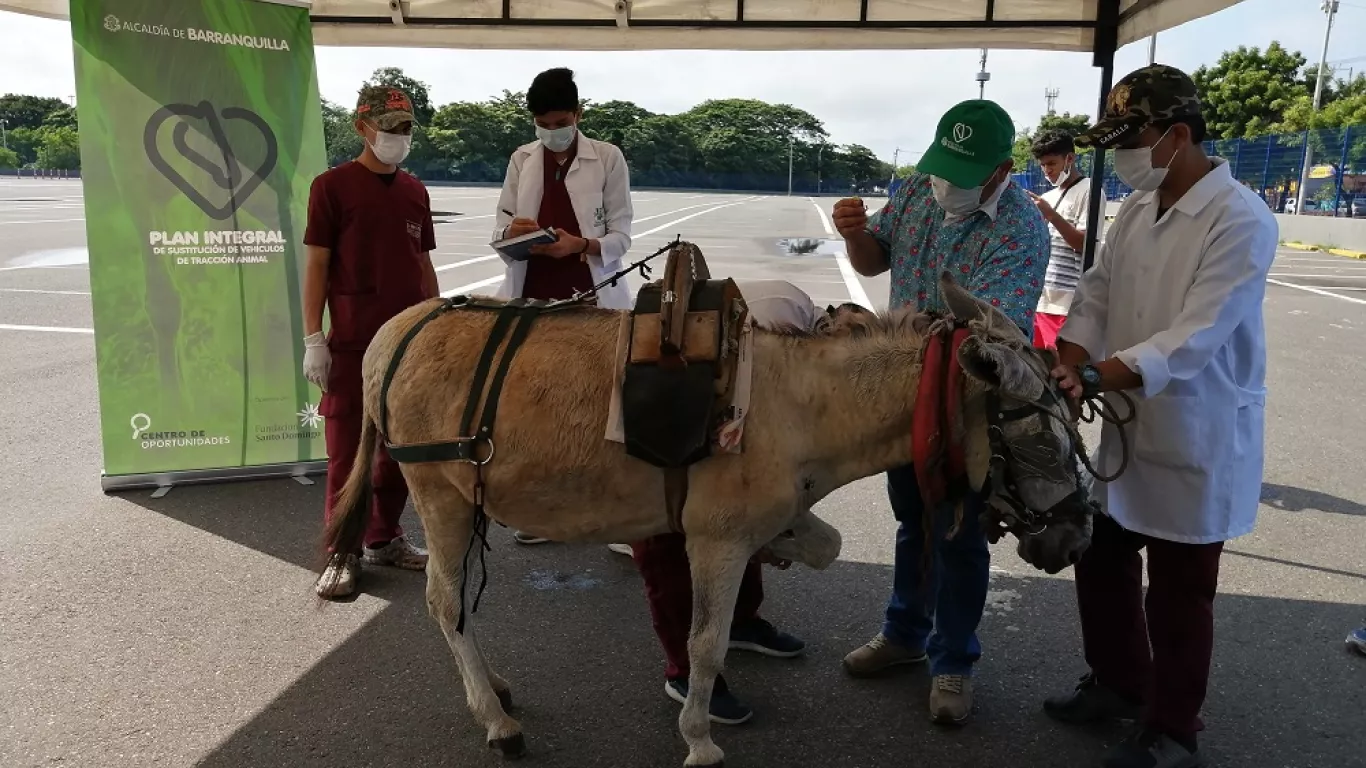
[942,617]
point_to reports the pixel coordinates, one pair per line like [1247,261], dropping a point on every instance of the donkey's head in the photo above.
[1035,483]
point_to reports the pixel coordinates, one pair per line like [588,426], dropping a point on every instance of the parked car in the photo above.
[1359,207]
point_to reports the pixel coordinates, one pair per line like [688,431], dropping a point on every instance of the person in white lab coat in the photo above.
[579,186]
[1171,312]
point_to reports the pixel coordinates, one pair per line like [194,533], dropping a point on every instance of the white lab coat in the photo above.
[599,187]
[1180,302]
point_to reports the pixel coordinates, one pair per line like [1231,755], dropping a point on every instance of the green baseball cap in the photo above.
[389,107]
[973,138]
[1155,92]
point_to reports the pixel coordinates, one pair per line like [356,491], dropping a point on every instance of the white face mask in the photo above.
[390,148]
[956,201]
[556,139]
[1066,172]
[1135,167]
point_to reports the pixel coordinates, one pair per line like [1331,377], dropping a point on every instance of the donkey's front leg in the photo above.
[717,567]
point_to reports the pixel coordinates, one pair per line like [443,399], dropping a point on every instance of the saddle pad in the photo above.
[729,436]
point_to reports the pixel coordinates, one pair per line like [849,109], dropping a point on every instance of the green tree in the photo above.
[745,143]
[61,118]
[475,140]
[1247,90]
[60,149]
[662,151]
[22,111]
[339,134]
[24,143]
[610,120]
[1073,124]
[8,158]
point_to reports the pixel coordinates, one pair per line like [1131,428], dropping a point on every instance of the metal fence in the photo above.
[1270,166]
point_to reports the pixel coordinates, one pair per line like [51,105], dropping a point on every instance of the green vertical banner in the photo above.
[201,132]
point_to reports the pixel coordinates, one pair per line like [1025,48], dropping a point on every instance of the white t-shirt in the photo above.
[778,302]
[1064,263]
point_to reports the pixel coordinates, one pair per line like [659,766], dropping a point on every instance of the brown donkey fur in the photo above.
[827,409]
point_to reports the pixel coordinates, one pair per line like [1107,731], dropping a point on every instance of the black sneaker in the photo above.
[1146,748]
[724,709]
[1090,703]
[759,636]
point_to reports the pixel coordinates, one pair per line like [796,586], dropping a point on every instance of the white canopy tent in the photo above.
[609,25]
[1096,26]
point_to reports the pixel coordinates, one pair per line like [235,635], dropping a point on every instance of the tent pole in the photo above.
[1107,37]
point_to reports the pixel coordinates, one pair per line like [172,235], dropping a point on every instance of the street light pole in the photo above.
[791,146]
[3,141]
[1152,49]
[820,150]
[1329,7]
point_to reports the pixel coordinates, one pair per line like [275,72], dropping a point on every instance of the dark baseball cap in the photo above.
[388,107]
[972,138]
[1145,96]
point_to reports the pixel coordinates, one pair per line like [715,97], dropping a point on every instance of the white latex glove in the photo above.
[317,360]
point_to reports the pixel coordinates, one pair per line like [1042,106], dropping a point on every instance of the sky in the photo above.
[885,100]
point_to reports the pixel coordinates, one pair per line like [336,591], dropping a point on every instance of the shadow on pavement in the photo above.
[1293,499]
[568,626]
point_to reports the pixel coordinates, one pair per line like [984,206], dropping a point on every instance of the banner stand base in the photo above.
[164,481]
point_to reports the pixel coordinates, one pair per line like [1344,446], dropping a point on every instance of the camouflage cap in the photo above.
[388,107]
[1144,96]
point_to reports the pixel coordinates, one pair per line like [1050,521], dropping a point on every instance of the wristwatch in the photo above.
[1090,379]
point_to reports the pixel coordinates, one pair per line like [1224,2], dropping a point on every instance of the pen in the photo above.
[510,213]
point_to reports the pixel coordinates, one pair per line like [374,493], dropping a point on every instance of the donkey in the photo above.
[828,408]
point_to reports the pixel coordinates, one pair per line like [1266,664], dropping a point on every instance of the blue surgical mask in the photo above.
[556,139]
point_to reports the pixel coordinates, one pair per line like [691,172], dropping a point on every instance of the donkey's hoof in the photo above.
[505,699]
[510,747]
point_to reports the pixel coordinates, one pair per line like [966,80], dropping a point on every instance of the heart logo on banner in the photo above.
[962,132]
[224,170]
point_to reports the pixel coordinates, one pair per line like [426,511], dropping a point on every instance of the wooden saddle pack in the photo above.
[681,367]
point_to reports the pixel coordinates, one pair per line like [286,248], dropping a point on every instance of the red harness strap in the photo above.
[936,444]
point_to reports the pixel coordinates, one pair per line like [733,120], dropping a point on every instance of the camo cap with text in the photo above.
[1145,96]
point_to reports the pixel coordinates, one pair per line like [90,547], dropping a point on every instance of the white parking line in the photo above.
[825,220]
[40,221]
[1319,291]
[662,227]
[466,262]
[35,290]
[851,281]
[467,288]
[44,328]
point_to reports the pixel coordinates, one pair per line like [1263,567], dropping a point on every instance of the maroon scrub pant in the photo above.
[663,563]
[342,409]
[1154,650]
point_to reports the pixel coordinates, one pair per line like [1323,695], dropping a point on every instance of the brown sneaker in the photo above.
[951,699]
[880,655]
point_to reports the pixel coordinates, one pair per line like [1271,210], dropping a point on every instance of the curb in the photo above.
[1335,251]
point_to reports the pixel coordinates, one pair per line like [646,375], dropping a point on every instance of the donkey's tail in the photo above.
[351,508]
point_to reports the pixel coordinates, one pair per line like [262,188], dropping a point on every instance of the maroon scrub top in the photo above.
[379,228]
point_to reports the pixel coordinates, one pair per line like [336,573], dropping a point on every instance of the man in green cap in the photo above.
[1171,312]
[962,213]
[370,235]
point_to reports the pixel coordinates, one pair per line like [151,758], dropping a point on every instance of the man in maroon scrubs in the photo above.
[369,239]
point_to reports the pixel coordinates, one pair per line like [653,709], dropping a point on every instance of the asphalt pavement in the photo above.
[183,631]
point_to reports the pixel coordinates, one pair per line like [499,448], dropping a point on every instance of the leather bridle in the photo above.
[1040,455]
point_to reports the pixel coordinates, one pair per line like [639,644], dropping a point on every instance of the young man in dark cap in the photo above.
[369,239]
[1171,312]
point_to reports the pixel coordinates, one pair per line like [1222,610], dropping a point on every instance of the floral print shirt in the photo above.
[1001,259]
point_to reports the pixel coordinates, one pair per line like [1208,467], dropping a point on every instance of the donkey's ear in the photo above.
[1000,367]
[969,309]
